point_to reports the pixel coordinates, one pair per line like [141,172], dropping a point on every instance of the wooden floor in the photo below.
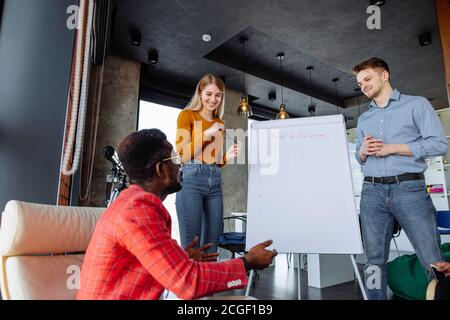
[280,283]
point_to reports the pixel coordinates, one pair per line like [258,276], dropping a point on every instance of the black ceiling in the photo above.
[330,35]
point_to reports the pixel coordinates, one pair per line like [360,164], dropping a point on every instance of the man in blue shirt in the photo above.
[395,136]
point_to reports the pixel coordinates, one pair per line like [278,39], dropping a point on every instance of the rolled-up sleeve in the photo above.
[433,141]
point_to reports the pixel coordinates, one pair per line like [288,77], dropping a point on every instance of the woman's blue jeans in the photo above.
[410,204]
[200,204]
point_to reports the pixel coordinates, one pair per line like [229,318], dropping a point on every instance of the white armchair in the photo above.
[42,248]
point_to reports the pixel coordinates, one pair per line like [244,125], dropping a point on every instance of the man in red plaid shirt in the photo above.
[132,254]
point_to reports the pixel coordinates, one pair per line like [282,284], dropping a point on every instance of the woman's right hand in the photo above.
[213,130]
[234,151]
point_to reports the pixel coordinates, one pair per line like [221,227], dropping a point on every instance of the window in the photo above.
[164,118]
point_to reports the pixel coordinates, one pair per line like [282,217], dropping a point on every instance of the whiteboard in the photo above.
[300,191]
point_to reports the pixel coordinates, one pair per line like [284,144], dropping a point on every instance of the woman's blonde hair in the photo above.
[196,102]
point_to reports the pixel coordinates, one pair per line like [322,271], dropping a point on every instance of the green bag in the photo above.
[407,278]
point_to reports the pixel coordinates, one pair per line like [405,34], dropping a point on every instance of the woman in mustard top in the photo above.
[200,139]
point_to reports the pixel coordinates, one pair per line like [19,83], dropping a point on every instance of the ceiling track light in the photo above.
[136,37]
[244,109]
[153,56]
[425,39]
[282,114]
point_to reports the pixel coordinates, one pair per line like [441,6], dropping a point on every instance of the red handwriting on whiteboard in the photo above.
[300,136]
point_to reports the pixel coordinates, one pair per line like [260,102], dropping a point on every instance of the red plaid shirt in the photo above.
[132,256]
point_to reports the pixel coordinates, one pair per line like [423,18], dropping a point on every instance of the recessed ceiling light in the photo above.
[207,37]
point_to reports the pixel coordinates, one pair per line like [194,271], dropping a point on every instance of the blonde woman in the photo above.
[200,139]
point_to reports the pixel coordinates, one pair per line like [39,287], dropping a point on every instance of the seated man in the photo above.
[131,254]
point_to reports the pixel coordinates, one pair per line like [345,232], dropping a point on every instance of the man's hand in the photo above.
[258,257]
[371,146]
[198,254]
[385,150]
[443,267]
[401,149]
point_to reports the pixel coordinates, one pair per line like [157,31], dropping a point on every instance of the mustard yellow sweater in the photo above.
[192,144]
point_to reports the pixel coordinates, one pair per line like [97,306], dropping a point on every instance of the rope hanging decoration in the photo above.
[80,99]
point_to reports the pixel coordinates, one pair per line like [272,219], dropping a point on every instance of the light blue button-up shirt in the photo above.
[406,119]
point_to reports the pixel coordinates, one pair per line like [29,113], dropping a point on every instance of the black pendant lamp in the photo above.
[244,109]
[282,114]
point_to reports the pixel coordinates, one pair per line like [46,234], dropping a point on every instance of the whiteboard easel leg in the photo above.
[249,284]
[299,280]
[358,276]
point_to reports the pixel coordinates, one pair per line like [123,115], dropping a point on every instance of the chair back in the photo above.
[443,219]
[42,249]
[443,222]
[234,241]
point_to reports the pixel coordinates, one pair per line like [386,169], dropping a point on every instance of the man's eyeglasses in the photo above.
[175,159]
